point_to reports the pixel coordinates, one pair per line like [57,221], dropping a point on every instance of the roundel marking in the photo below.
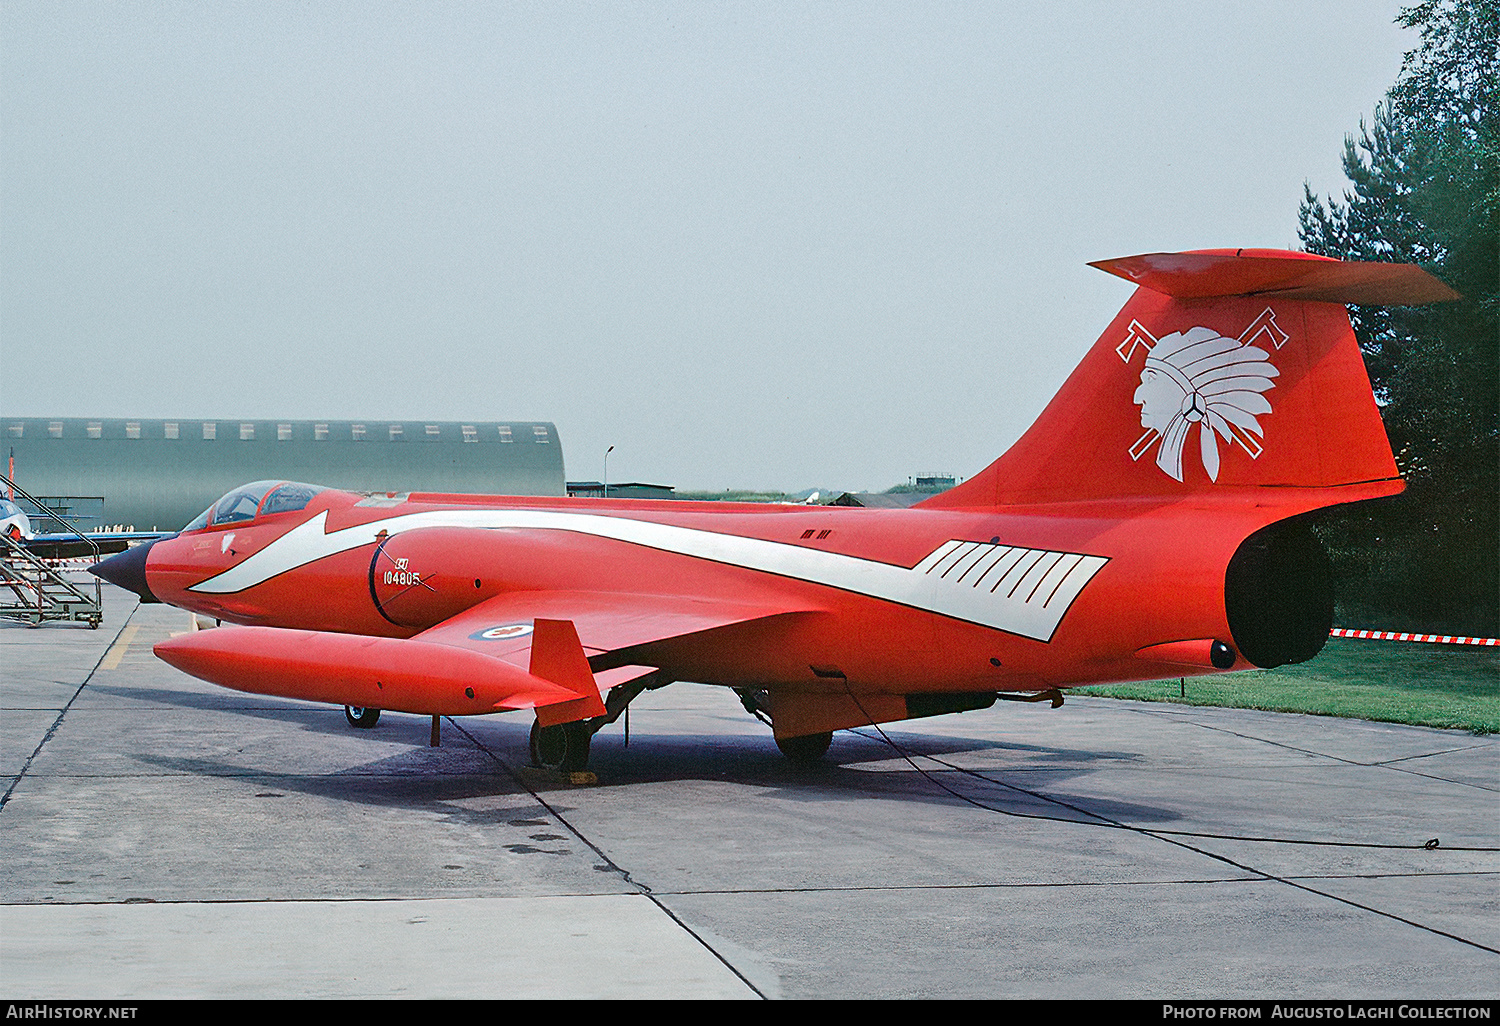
[502,633]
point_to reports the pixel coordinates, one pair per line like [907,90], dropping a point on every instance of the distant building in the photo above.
[880,500]
[923,486]
[934,483]
[623,490]
[160,474]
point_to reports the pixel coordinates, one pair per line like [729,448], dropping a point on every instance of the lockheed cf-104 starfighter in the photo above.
[1151,523]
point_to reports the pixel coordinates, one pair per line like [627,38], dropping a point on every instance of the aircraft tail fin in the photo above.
[1227,368]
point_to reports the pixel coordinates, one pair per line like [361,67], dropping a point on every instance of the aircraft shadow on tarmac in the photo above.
[397,783]
[488,758]
[869,766]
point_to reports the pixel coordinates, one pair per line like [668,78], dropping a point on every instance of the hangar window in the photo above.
[15,430]
[320,432]
[210,430]
[169,429]
[471,433]
[505,433]
[433,431]
[395,431]
[247,432]
[357,432]
[95,429]
[539,434]
[54,429]
[283,432]
[133,429]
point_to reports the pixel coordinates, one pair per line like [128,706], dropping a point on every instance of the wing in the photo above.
[552,635]
[515,651]
[606,622]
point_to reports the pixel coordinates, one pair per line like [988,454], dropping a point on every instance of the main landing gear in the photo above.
[563,747]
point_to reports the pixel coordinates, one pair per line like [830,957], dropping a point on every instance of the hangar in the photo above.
[160,474]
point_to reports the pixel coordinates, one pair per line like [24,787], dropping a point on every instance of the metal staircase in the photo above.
[34,591]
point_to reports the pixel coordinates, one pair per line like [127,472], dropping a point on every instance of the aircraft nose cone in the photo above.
[128,570]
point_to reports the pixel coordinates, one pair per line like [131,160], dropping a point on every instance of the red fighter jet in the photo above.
[1149,524]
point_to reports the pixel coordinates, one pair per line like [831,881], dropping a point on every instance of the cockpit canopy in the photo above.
[259,499]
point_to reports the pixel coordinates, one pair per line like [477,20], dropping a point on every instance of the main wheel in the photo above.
[563,747]
[806,749]
[359,716]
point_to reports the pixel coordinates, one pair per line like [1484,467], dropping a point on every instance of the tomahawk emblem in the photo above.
[1201,378]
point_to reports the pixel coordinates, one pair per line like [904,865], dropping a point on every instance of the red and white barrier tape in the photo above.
[1440,639]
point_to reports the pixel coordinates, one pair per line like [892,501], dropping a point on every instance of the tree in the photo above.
[1425,179]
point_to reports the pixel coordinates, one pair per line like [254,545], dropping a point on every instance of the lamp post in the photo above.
[606,470]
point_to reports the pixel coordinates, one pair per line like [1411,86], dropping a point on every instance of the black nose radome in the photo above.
[128,570]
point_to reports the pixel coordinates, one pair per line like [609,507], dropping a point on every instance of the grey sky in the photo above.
[765,245]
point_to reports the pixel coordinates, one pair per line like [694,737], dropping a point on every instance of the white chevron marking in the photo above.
[1030,602]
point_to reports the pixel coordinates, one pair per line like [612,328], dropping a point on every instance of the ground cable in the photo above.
[1104,820]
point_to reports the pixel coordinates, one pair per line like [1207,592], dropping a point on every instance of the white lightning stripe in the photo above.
[1032,611]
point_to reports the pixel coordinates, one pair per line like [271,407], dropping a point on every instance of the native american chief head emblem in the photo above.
[1200,379]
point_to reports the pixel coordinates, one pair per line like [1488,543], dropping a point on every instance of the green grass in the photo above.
[1451,686]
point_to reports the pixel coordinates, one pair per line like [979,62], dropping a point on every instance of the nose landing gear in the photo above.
[360,717]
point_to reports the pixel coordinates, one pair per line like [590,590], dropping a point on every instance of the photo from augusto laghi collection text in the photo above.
[1262,1010]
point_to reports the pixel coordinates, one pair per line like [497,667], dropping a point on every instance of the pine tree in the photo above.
[1425,189]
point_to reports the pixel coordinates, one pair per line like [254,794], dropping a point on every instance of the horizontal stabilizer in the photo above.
[1277,274]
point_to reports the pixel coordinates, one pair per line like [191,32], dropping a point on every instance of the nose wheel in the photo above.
[359,716]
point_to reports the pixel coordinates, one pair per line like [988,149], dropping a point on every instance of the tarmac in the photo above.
[164,838]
